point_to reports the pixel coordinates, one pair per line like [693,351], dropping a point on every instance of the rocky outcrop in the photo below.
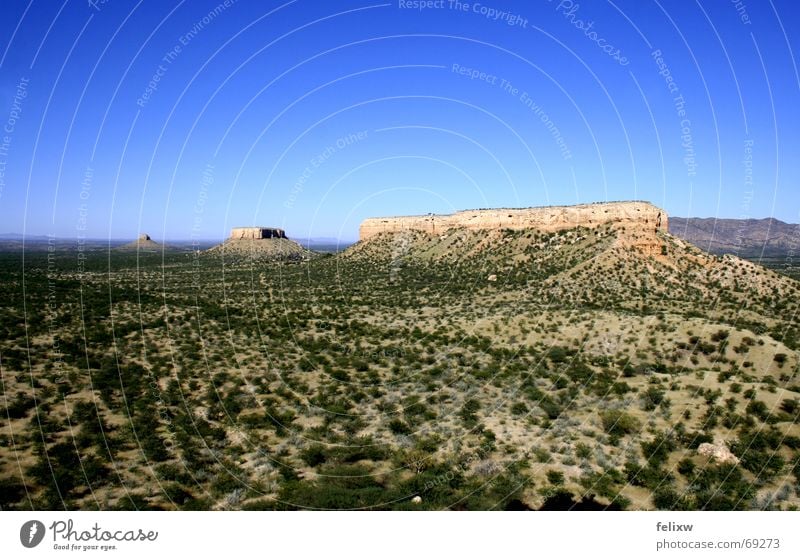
[639,215]
[717,451]
[257,233]
[639,223]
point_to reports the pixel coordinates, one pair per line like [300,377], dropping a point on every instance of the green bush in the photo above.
[19,407]
[617,422]
[399,427]
[666,498]
[658,449]
[11,492]
[556,478]
[653,397]
[722,488]
[519,408]
[313,455]
[467,413]
[341,487]
[790,406]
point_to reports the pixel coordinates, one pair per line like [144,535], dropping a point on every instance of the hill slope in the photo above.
[273,249]
[602,266]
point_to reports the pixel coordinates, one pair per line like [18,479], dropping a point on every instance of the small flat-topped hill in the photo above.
[263,243]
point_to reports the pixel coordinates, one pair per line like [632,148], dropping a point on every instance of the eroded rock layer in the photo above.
[638,215]
[257,233]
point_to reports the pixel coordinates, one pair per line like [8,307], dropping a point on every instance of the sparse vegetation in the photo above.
[586,376]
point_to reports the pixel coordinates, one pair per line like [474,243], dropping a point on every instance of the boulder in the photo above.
[718,452]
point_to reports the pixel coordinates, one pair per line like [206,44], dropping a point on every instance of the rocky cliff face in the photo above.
[257,233]
[640,220]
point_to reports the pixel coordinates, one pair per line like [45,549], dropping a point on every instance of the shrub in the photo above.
[605,484]
[790,406]
[758,409]
[666,498]
[519,408]
[343,487]
[556,478]
[11,491]
[757,452]
[648,476]
[653,397]
[558,355]
[720,335]
[686,466]
[658,449]
[19,407]
[468,411]
[397,426]
[722,487]
[619,423]
[313,455]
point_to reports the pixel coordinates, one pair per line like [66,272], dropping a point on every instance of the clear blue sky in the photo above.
[184,119]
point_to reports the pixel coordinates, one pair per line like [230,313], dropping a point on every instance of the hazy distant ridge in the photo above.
[749,238]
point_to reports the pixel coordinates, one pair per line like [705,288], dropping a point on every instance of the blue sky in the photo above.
[184,119]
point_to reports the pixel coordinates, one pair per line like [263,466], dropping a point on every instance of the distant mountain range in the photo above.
[766,237]
[749,238]
[19,236]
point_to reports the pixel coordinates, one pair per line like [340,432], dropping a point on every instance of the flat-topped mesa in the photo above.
[641,215]
[260,243]
[257,233]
